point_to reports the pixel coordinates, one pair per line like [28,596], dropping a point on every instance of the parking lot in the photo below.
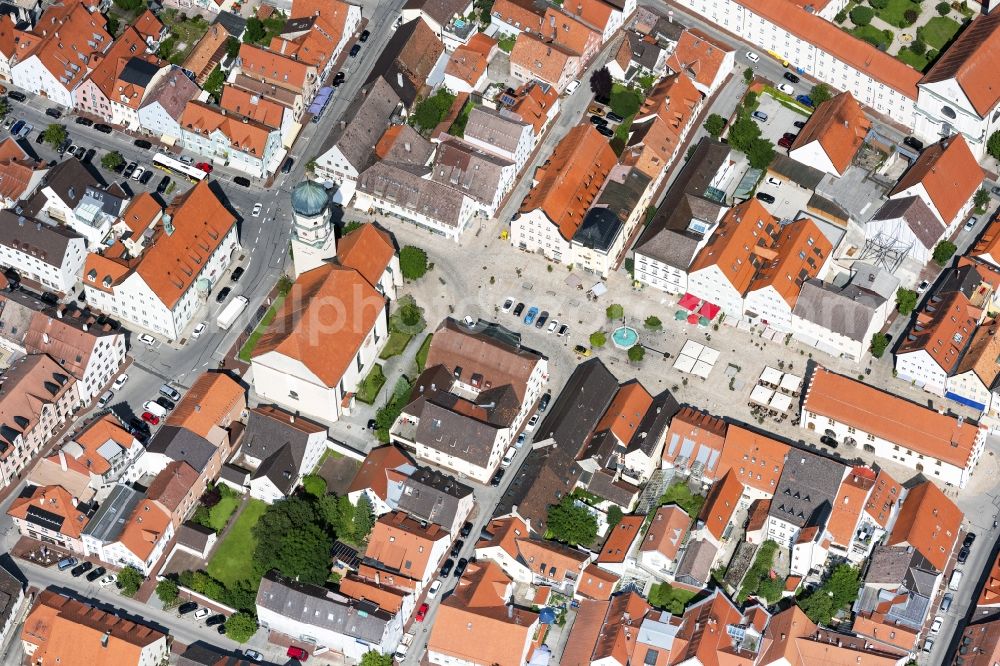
[780,119]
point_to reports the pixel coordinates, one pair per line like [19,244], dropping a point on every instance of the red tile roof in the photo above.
[245,134]
[66,33]
[620,540]
[667,531]
[756,459]
[928,521]
[943,330]
[626,411]
[949,173]
[741,241]
[56,501]
[840,127]
[720,505]
[851,500]
[699,56]
[368,250]
[972,61]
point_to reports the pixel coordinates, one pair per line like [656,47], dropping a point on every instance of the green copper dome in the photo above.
[309,199]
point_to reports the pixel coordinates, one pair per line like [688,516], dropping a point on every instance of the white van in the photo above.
[508,457]
[956,580]
[154,408]
[573,85]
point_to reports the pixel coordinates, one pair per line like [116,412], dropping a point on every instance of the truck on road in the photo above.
[404,646]
[231,312]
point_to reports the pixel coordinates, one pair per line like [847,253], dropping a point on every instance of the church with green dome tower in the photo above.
[313,240]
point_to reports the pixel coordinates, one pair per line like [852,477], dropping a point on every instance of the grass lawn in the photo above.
[373,383]
[679,494]
[395,345]
[623,128]
[247,349]
[625,101]
[458,127]
[893,13]
[872,35]
[673,599]
[232,561]
[184,34]
[917,62]
[425,348]
[938,31]
[219,514]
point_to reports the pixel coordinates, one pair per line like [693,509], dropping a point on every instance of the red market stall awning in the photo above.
[689,302]
[708,310]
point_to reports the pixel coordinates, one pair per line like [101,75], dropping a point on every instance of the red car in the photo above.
[204,166]
[150,418]
[421,613]
[785,142]
[297,653]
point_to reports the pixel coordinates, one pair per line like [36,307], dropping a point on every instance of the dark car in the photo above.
[597,120]
[518,309]
[215,619]
[17,96]
[799,124]
[785,142]
[165,402]
[604,130]
[364,36]
[970,538]
[237,273]
[89,155]
[187,607]
[146,176]
[338,79]
[142,143]
[460,569]
[913,142]
[104,129]
[40,138]
[49,297]
[791,78]
[963,555]
[543,404]
[96,573]
[466,529]
[222,629]
[355,50]
[457,547]
[287,166]
[495,481]
[614,117]
[241,181]
[138,425]
[86,122]
[542,318]
[805,99]
[130,169]
[81,569]
[372,425]
[164,183]
[53,112]
[12,276]
[790,135]
[80,152]
[447,567]
[829,441]
[765,197]
[223,293]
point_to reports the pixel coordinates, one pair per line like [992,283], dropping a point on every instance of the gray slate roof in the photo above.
[315,606]
[11,590]
[847,310]
[469,170]
[667,238]
[501,129]
[182,444]
[806,489]
[109,521]
[173,92]
[46,242]
[411,192]
[695,567]
[68,180]
[917,216]
[280,445]
[455,434]
[363,125]
[439,10]
[431,495]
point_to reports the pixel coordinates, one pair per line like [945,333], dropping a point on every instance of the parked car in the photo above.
[198,330]
[223,294]
[573,85]
[252,655]
[456,548]
[542,318]
[466,529]
[765,197]
[913,142]
[53,112]
[936,624]
[433,589]
[829,441]
[120,381]
[162,186]
[89,155]
[469,321]
[66,563]
[752,57]
[219,618]
[146,177]
[86,122]
[257,207]
[339,78]
[495,481]
[598,120]
[771,180]
[130,169]
[297,653]
[201,612]
[785,88]
[946,603]
[286,166]
[963,554]
[96,573]
[108,580]
[355,50]
[106,397]
[581,350]
[16,127]
[142,143]
[529,318]
[520,440]
[563,330]
[970,538]
[785,142]
[790,135]
[922,287]
[543,404]
[604,130]
[237,273]
[150,418]
[204,166]
[364,36]
[460,567]
[553,325]
[508,303]
[928,645]
[532,422]
[971,223]
[104,129]
[759,115]
[806,100]
[791,78]
[799,124]
[165,402]
[81,569]
[17,95]
[170,392]
[146,339]
[446,568]
[241,181]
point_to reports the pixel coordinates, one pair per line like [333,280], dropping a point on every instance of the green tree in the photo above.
[878,4]
[373,658]
[255,31]
[918,47]
[743,131]
[615,311]
[760,153]
[431,111]
[113,24]
[351,226]
[364,519]
[636,353]
[906,300]
[601,82]
[232,47]
[410,316]
[130,580]
[942,8]
[314,485]
[653,323]
[981,199]
[241,627]
[304,553]
[129,5]
[820,93]
[214,82]
[861,15]
[943,252]
[615,516]
[715,125]
[837,592]
[112,160]
[662,595]
[4,107]
[167,591]
[598,339]
[412,262]
[338,515]
[55,135]
[993,145]
[748,75]
[570,523]
[878,344]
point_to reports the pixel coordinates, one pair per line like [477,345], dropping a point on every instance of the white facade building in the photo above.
[52,256]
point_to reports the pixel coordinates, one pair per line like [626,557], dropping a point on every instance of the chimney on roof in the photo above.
[105,638]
